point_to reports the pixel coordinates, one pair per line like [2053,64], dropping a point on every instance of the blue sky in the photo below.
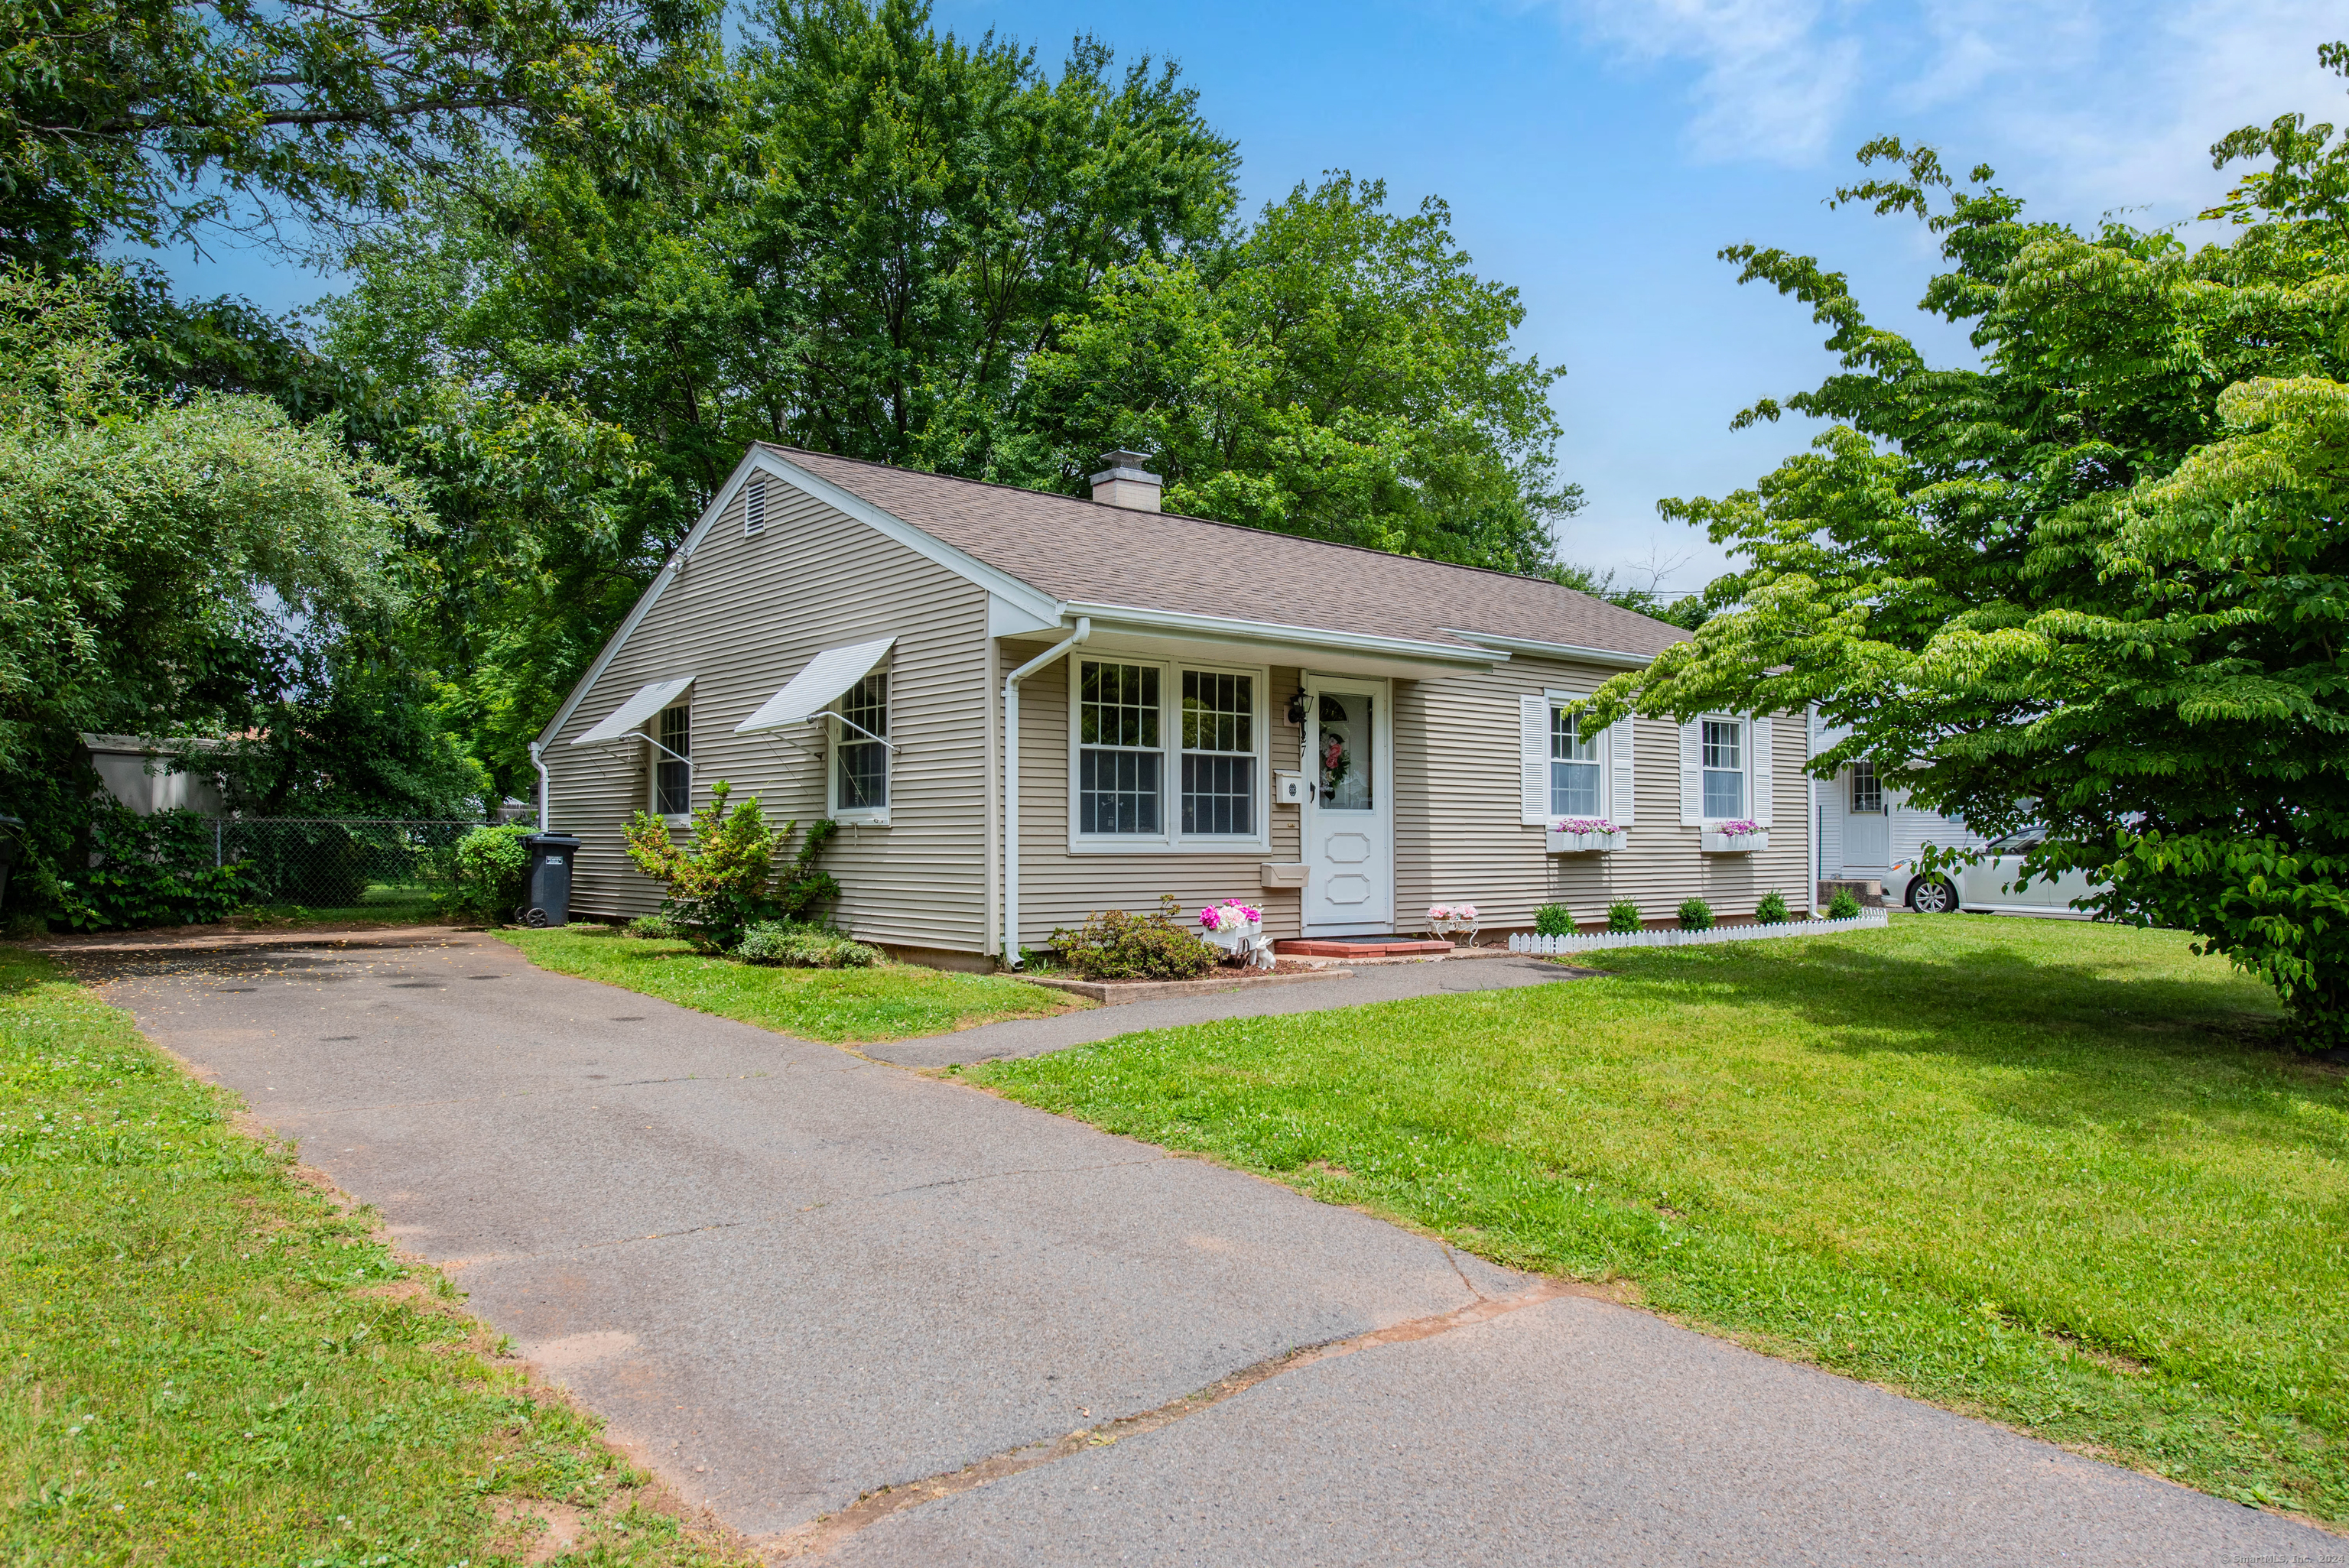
[1598,155]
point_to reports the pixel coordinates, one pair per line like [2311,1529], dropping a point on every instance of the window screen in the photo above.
[862,768]
[673,775]
[1218,753]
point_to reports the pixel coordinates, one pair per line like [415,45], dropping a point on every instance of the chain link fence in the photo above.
[338,862]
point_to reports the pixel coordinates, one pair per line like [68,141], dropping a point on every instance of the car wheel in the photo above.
[1931,895]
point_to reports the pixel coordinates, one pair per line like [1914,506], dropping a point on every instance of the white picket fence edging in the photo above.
[1591,941]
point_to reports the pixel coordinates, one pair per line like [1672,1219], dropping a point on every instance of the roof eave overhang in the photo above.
[1618,657]
[1435,658]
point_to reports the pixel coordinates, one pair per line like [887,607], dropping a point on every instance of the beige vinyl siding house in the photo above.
[1203,711]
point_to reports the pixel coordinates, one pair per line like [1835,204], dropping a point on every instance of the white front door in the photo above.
[1349,808]
[1867,824]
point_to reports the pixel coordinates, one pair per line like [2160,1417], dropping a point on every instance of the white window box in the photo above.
[1717,843]
[1585,843]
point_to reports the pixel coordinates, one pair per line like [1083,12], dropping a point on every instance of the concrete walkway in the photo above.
[1368,983]
[789,1277]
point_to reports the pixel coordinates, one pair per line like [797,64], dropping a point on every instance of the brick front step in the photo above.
[1307,947]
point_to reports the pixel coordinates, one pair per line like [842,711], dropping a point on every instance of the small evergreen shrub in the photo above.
[787,945]
[1772,910]
[1624,915]
[1554,920]
[654,928]
[1696,915]
[724,881]
[1844,905]
[1114,946]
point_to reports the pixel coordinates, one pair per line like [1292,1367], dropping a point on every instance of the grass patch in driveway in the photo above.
[2050,1173]
[206,1362]
[843,1006]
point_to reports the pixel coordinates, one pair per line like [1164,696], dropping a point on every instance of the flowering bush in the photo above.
[1583,825]
[1230,916]
[1739,829]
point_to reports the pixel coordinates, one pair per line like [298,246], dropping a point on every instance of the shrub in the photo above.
[1624,915]
[1844,905]
[155,870]
[653,928]
[1554,920]
[719,883]
[1772,910]
[786,942]
[1114,946]
[1696,915]
[484,874]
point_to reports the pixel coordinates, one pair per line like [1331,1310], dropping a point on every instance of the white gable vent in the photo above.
[754,506]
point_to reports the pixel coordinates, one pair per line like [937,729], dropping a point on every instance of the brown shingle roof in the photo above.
[1086,552]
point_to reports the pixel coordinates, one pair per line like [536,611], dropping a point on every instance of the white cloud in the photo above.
[2088,103]
[1776,78]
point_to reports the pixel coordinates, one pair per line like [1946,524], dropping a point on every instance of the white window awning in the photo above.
[817,687]
[648,701]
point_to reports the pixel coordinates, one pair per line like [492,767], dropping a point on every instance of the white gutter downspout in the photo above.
[1012,783]
[545,786]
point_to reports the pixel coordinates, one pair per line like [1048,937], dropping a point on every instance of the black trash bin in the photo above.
[546,898]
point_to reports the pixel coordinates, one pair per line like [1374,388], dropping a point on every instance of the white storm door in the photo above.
[1349,809]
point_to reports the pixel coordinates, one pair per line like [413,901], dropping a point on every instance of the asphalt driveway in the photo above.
[790,1276]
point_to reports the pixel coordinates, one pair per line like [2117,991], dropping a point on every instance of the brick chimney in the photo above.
[1124,481]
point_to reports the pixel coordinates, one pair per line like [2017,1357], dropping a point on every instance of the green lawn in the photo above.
[2051,1172]
[206,1363]
[886,1002]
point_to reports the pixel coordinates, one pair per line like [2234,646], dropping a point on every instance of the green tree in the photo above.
[2099,583]
[1337,371]
[166,568]
[151,121]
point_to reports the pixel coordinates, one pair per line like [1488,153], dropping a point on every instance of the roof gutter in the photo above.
[1619,656]
[1012,784]
[1230,629]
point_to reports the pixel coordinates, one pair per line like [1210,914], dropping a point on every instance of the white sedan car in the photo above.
[1988,885]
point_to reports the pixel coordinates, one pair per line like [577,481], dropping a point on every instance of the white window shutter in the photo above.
[1532,760]
[1618,760]
[1692,774]
[1761,775]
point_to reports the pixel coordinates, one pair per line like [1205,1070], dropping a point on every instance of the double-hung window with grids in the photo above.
[1145,731]
[1724,769]
[1121,760]
[1575,786]
[1218,754]
[860,756]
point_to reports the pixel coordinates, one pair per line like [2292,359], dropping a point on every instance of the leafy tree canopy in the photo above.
[198,566]
[1337,370]
[151,121]
[897,246]
[2100,582]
